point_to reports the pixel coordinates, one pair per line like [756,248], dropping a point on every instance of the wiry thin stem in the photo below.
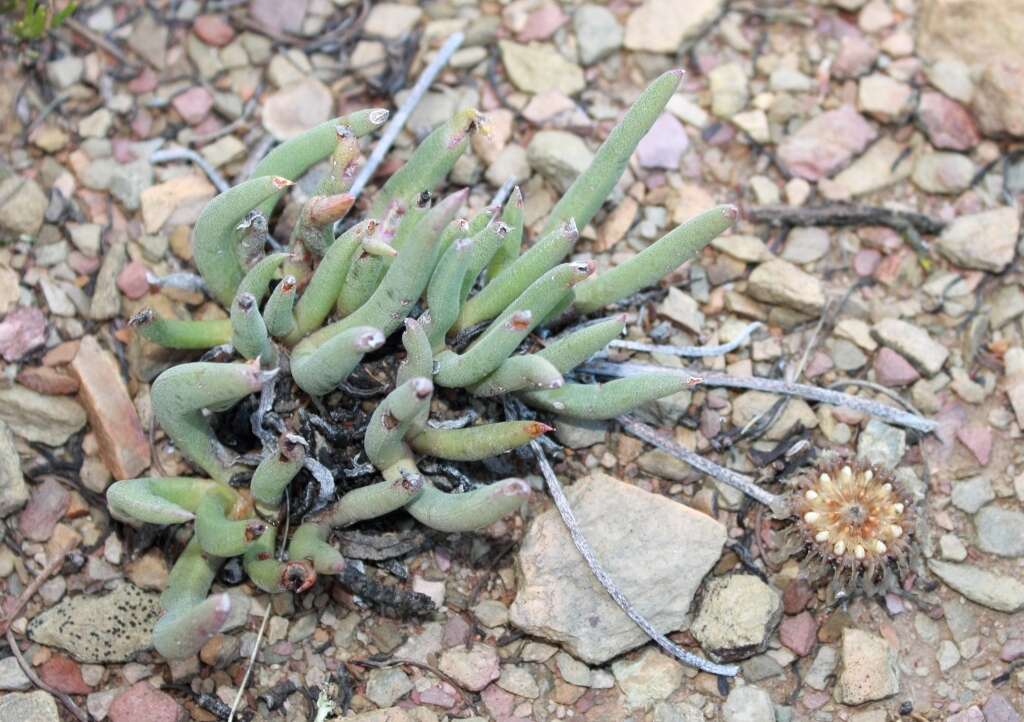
[726,476]
[773,386]
[398,121]
[690,351]
[688,658]
[172,154]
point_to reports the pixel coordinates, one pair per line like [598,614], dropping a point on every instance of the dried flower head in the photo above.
[854,520]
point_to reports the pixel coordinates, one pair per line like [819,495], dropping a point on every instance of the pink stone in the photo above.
[891,369]
[456,631]
[826,143]
[144,82]
[1013,649]
[122,150]
[856,57]
[946,123]
[279,15]
[440,695]
[971,714]
[48,503]
[999,709]
[820,362]
[23,330]
[978,440]
[797,596]
[866,261]
[142,702]
[814,699]
[82,264]
[998,98]
[799,633]
[214,30]
[498,702]
[542,23]
[132,280]
[63,674]
[664,144]
[194,104]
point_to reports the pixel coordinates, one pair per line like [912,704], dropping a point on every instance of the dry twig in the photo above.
[69,704]
[587,552]
[772,386]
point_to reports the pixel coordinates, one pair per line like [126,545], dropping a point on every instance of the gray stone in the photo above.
[517,680]
[1000,531]
[491,613]
[881,444]
[35,706]
[806,245]
[129,180]
[984,241]
[473,668]
[110,627]
[748,704]
[386,686]
[560,599]
[780,282]
[737,614]
[538,67]
[13,490]
[943,172]
[969,495]
[823,667]
[598,33]
[66,71]
[22,206]
[648,679]
[12,677]
[580,433]
[948,655]
[869,668]
[729,92]
[106,299]
[49,420]
[559,156]
[677,712]
[989,589]
[912,342]
[951,548]
[665,466]
[572,670]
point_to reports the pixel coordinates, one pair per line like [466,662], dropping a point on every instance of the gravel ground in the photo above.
[791,110]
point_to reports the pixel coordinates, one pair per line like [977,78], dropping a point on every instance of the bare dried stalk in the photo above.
[69,704]
[726,476]
[396,124]
[690,351]
[772,386]
[51,566]
[585,550]
[173,154]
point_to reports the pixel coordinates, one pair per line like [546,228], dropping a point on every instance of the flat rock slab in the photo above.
[995,591]
[655,549]
[49,420]
[110,627]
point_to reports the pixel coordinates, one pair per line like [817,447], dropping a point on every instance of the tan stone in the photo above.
[181,198]
[112,415]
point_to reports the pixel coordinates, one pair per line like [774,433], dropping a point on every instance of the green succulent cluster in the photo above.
[315,311]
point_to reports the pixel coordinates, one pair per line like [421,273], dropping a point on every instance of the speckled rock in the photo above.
[869,668]
[111,627]
[36,706]
[737,615]
[650,678]
[558,596]
[13,490]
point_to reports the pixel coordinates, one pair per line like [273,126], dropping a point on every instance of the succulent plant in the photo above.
[312,313]
[853,525]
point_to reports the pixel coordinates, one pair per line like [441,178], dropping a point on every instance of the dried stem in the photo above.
[688,658]
[773,386]
[726,476]
[51,566]
[173,154]
[396,124]
[69,704]
[690,351]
